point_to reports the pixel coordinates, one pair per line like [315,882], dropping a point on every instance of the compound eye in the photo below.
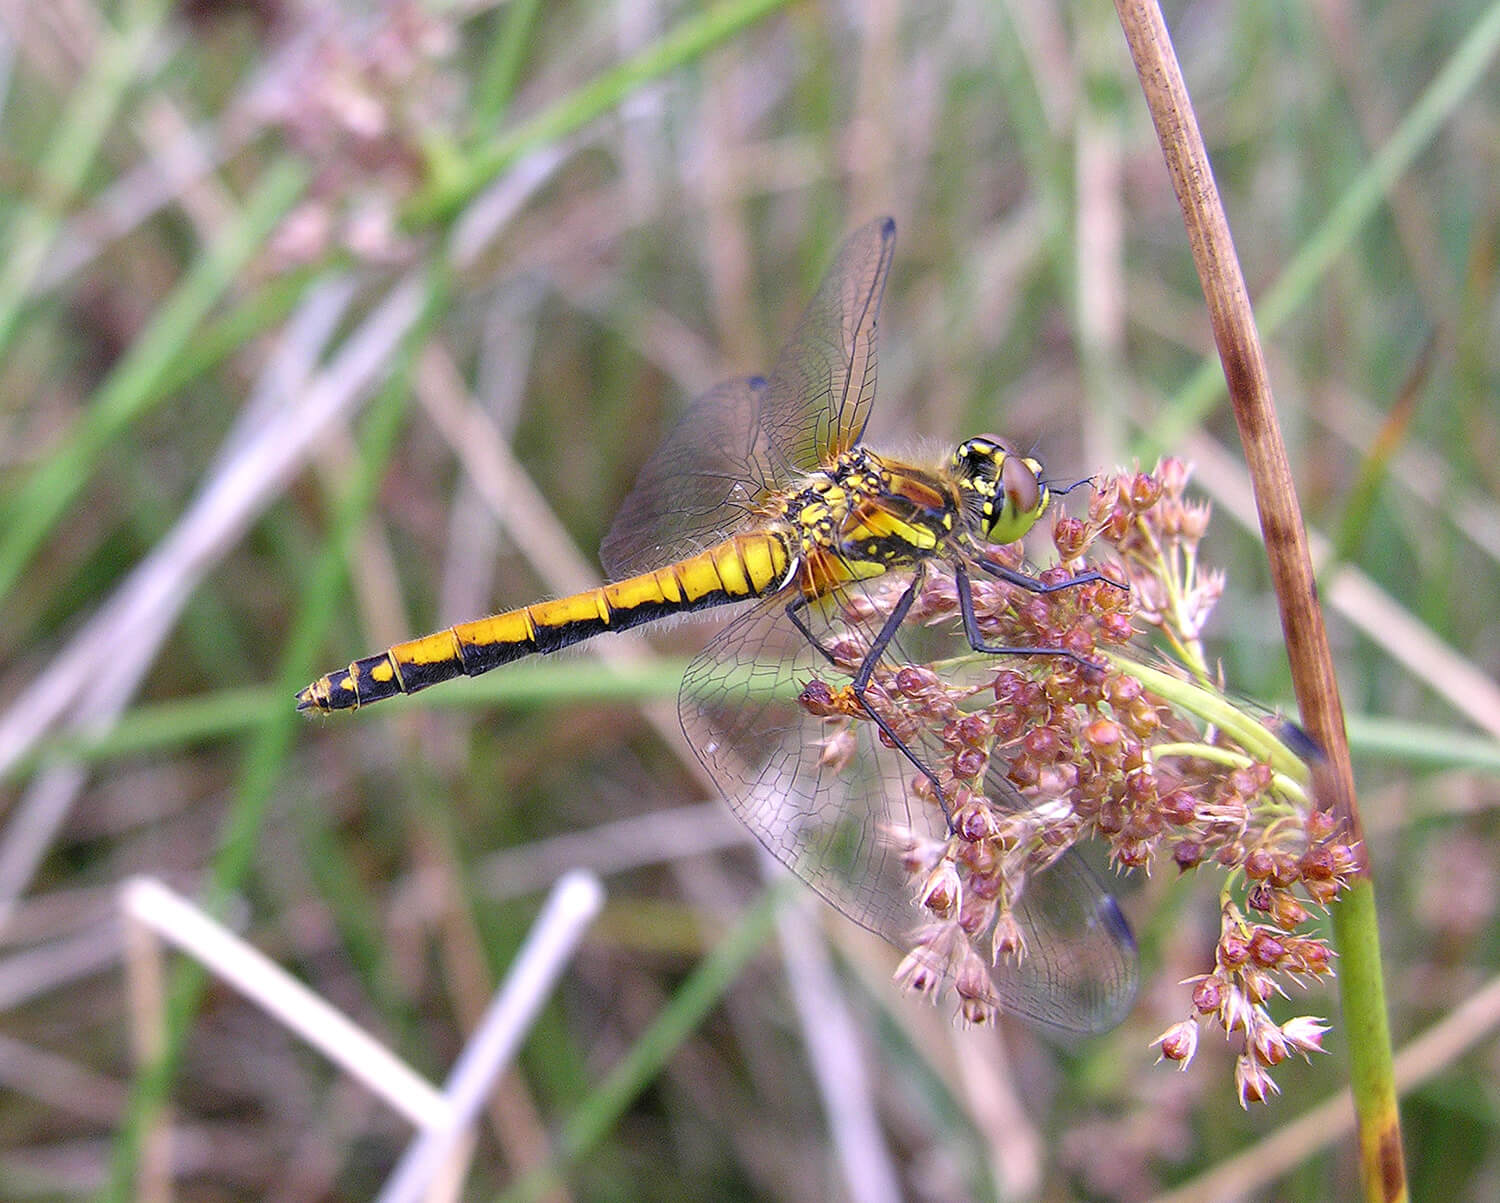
[1022,498]
[1020,481]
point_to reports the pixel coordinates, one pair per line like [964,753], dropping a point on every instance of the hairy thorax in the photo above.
[862,516]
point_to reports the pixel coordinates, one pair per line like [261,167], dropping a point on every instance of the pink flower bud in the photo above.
[1304,1034]
[942,892]
[1179,1042]
[1252,1082]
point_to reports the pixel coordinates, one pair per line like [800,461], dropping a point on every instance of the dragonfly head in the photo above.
[1004,488]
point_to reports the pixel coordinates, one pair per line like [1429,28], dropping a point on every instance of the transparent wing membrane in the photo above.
[699,486]
[820,817]
[1079,972]
[749,437]
[845,811]
[819,394]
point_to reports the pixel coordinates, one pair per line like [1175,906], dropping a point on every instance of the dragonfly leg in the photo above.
[1060,490]
[971,620]
[866,670]
[794,612]
[1012,577]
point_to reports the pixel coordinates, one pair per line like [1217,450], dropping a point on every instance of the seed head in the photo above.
[1267,1042]
[1251,1081]
[1236,1011]
[1234,949]
[839,750]
[1304,1034]
[943,890]
[1265,949]
[1030,754]
[1179,1042]
[1008,943]
[918,974]
[1287,911]
[1208,995]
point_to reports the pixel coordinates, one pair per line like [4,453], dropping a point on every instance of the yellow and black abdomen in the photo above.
[746,566]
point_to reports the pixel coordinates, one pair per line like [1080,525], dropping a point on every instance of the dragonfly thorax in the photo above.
[865,514]
[1003,491]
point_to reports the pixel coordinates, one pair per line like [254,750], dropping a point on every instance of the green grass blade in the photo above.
[502,65]
[132,387]
[1359,203]
[457,178]
[70,153]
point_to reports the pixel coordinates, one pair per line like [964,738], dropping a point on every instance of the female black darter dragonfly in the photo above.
[765,496]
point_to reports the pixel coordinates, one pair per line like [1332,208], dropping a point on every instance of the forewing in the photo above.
[748,437]
[819,394]
[699,484]
[842,816]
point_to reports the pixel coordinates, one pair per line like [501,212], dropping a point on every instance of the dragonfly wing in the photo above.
[1079,973]
[819,394]
[823,819]
[699,484]
[835,805]
[748,437]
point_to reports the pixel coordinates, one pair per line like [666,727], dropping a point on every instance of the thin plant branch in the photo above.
[1233,323]
[1422,1059]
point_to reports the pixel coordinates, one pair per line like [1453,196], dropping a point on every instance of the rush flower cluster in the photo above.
[1095,741]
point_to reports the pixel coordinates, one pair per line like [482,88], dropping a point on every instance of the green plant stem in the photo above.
[1214,708]
[1372,1074]
[1281,784]
[457,177]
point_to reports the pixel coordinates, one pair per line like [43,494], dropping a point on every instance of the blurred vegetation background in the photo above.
[326,324]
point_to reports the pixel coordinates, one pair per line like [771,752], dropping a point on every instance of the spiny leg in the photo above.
[1033,584]
[971,620]
[794,612]
[972,634]
[866,670]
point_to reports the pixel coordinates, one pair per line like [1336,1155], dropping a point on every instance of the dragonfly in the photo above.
[765,497]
